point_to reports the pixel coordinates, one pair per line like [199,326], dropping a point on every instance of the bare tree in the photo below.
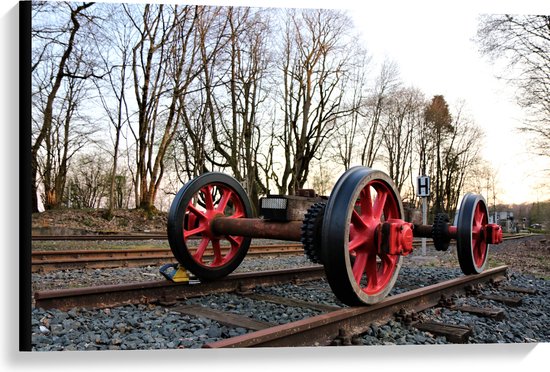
[404,114]
[112,91]
[88,184]
[162,72]
[250,61]
[194,149]
[346,141]
[240,68]
[447,149]
[66,135]
[459,153]
[52,59]
[483,179]
[524,42]
[373,110]
[439,120]
[315,55]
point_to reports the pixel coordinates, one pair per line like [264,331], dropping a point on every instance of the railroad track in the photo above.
[49,260]
[96,237]
[45,261]
[341,326]
[163,291]
[335,324]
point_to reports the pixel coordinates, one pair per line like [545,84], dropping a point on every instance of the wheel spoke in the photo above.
[478,216]
[235,241]
[477,249]
[198,230]
[366,201]
[359,265]
[227,194]
[357,221]
[217,252]
[355,243]
[207,192]
[479,252]
[476,234]
[192,209]
[372,271]
[379,203]
[387,264]
[201,249]
[237,214]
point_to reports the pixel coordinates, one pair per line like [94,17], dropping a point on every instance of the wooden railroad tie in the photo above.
[509,301]
[453,333]
[487,312]
[531,291]
[291,302]
[222,317]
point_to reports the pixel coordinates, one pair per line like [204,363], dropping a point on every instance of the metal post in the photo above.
[424,221]
[423,191]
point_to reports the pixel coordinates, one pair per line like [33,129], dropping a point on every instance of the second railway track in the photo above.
[49,260]
[52,260]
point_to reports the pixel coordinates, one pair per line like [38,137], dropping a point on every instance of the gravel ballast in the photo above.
[137,327]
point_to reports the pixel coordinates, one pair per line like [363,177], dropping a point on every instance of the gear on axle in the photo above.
[311,232]
[440,232]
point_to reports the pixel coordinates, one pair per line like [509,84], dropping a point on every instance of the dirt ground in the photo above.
[60,222]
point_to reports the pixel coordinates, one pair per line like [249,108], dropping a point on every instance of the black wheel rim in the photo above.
[472,250]
[193,209]
[341,229]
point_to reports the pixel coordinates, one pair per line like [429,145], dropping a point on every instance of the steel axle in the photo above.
[257,228]
[426,231]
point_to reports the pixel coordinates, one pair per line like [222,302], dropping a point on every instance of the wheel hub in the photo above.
[395,237]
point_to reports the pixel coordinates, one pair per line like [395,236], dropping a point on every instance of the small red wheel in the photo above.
[472,249]
[357,272]
[195,206]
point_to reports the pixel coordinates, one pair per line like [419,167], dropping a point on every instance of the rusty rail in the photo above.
[152,236]
[155,291]
[43,261]
[322,329]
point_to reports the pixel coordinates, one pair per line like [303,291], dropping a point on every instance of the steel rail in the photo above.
[44,255]
[43,261]
[125,237]
[322,329]
[163,290]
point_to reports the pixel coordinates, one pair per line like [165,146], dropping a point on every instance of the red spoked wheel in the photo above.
[472,248]
[356,270]
[206,254]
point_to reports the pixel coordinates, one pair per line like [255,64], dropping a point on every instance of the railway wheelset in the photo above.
[358,233]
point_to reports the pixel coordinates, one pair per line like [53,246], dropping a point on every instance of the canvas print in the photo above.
[211,176]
